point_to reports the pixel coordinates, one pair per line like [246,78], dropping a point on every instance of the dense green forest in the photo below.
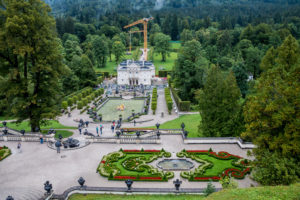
[238,64]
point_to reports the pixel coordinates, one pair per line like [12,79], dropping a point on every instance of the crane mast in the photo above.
[145,23]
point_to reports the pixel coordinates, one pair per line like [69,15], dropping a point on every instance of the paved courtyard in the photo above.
[23,174]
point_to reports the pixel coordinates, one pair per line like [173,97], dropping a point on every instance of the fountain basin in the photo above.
[175,164]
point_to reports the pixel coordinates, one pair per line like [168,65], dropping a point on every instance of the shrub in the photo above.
[154,100]
[75,99]
[70,101]
[79,96]
[85,101]
[93,96]
[209,189]
[101,91]
[163,73]
[64,105]
[169,100]
[89,99]
[182,105]
[79,105]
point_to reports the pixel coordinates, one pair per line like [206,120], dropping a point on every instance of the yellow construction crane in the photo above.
[145,23]
[130,32]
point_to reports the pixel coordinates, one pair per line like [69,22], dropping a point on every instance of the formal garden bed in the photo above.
[214,165]
[133,164]
[4,152]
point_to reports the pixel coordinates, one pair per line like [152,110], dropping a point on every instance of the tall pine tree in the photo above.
[219,104]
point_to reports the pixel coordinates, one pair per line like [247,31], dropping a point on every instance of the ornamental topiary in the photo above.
[79,105]
[70,101]
[64,105]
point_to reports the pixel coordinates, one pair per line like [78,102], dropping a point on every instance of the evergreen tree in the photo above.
[31,61]
[272,112]
[219,104]
[174,30]
[100,50]
[190,70]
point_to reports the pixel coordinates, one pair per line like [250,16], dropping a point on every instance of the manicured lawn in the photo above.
[111,67]
[135,197]
[63,133]
[168,65]
[175,44]
[219,165]
[110,112]
[291,192]
[25,125]
[191,124]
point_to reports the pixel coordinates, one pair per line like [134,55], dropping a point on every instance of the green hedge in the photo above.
[79,105]
[163,73]
[182,105]
[70,101]
[169,100]
[64,105]
[154,100]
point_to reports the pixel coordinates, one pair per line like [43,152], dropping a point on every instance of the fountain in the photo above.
[175,164]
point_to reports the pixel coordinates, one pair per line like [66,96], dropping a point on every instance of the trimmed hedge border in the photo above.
[197,174]
[169,100]
[154,100]
[4,152]
[108,167]
[182,105]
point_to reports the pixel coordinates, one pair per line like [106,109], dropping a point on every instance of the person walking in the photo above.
[97,130]
[134,122]
[101,129]
[87,124]
[114,123]
[19,147]
[41,139]
[79,129]
[112,128]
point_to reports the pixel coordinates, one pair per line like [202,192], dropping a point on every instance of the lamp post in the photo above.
[81,182]
[47,187]
[129,184]
[177,184]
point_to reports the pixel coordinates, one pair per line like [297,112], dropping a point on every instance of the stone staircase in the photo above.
[19,193]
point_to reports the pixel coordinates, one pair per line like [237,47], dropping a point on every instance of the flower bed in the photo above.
[4,152]
[133,164]
[212,163]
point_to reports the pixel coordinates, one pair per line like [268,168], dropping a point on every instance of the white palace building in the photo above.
[136,73]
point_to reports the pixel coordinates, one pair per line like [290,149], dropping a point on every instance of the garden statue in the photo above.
[129,184]
[158,134]
[4,123]
[157,125]
[138,134]
[182,126]
[22,132]
[48,187]
[118,133]
[177,184]
[185,133]
[81,181]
